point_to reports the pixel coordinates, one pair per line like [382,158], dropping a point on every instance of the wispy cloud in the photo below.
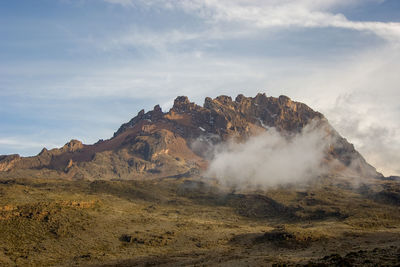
[121,2]
[272,14]
[24,142]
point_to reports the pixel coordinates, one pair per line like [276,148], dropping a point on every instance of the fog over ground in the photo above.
[272,159]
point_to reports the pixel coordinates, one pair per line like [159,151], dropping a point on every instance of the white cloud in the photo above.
[271,159]
[299,13]
[23,143]
[273,13]
[359,96]
[157,41]
[121,2]
[372,126]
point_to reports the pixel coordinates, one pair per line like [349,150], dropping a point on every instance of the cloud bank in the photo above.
[271,159]
[371,128]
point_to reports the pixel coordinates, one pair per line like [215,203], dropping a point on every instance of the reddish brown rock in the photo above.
[8,162]
[156,144]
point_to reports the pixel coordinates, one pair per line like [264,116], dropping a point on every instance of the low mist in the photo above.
[271,159]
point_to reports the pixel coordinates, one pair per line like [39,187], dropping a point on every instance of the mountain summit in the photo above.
[155,144]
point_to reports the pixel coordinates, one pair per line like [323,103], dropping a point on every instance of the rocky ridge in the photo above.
[158,144]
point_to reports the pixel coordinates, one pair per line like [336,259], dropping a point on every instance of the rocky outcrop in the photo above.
[8,162]
[152,116]
[225,117]
[155,144]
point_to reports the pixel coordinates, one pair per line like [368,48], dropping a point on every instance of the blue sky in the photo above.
[80,68]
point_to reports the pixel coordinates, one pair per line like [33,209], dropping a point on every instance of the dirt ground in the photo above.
[193,221]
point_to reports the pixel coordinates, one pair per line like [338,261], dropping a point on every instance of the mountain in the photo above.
[178,142]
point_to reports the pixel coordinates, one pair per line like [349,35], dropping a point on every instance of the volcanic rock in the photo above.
[158,144]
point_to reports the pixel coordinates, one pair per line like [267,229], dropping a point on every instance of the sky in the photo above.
[78,69]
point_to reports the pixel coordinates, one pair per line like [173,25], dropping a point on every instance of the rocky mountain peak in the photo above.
[155,143]
[284,100]
[157,109]
[182,104]
[72,146]
[224,99]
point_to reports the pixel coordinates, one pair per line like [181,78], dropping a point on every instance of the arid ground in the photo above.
[193,221]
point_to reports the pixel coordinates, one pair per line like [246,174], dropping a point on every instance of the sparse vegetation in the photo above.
[46,222]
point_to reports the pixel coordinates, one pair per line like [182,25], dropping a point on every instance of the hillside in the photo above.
[157,144]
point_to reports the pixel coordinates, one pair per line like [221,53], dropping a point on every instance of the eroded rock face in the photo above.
[8,162]
[226,117]
[72,146]
[155,143]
